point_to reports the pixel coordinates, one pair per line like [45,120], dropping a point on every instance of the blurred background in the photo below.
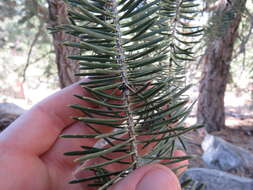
[28,71]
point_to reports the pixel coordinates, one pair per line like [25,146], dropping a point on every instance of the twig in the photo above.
[36,37]
[245,40]
[41,57]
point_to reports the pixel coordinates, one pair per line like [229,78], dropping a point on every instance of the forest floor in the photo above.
[238,131]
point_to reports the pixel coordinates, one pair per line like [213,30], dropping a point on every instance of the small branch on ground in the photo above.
[35,40]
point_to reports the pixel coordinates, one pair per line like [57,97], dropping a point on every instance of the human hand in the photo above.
[31,152]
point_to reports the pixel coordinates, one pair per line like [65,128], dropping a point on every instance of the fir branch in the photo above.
[123,46]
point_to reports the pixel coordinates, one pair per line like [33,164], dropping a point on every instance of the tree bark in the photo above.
[66,67]
[216,64]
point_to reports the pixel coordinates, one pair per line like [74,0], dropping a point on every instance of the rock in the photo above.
[8,113]
[218,180]
[6,120]
[222,155]
[10,108]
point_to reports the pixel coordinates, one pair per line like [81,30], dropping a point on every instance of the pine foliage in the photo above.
[133,52]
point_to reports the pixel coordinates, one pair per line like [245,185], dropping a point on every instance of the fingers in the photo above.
[56,153]
[149,177]
[116,166]
[180,171]
[61,167]
[81,172]
[36,131]
[125,158]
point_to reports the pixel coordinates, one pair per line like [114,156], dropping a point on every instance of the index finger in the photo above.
[36,130]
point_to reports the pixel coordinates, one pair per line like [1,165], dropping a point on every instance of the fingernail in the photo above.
[158,179]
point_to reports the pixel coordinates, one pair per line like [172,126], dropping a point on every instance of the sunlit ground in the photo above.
[238,131]
[31,96]
[238,108]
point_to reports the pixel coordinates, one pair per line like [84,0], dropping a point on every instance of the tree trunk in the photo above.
[66,67]
[216,64]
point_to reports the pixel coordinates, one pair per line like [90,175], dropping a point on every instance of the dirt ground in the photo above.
[238,131]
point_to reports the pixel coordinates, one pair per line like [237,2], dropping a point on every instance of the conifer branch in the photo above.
[125,84]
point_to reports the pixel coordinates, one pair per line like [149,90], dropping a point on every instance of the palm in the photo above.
[47,172]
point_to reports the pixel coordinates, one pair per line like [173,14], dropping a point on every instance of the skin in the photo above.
[31,152]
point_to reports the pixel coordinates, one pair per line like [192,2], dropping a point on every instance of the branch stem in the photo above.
[126,91]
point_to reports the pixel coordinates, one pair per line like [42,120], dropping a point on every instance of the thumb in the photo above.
[149,177]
